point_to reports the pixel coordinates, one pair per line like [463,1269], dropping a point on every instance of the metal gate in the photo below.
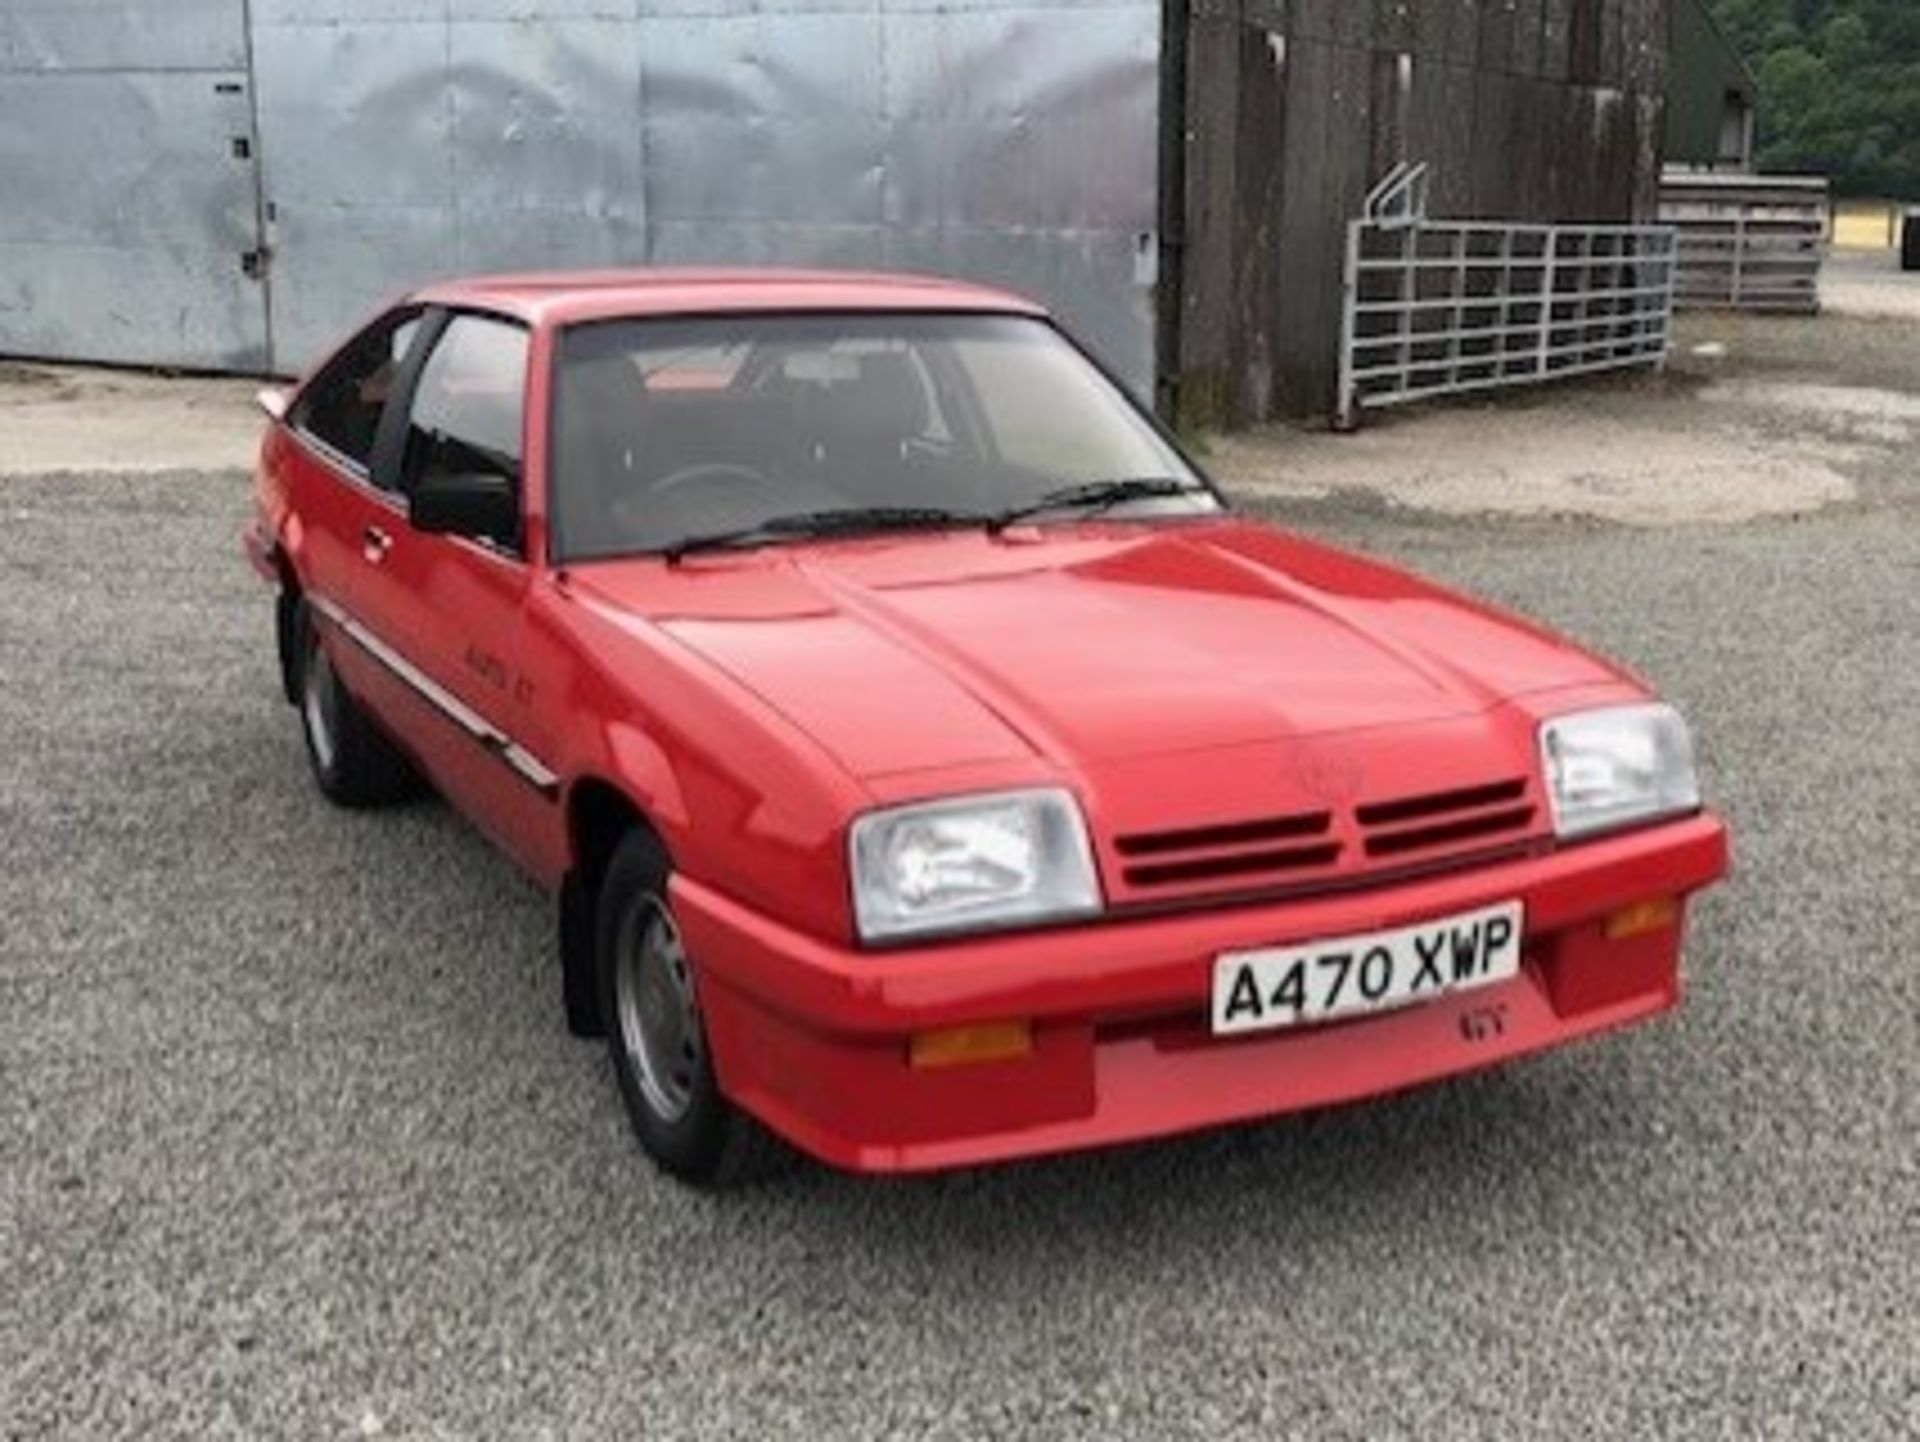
[1437,308]
[130,224]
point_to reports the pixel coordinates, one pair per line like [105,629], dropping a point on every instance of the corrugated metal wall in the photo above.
[1013,141]
[1526,110]
[125,205]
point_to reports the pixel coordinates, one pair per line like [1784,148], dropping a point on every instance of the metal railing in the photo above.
[1436,308]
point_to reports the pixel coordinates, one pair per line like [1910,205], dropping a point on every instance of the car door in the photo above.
[341,516]
[448,609]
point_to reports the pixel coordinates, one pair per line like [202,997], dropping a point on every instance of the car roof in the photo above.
[566,297]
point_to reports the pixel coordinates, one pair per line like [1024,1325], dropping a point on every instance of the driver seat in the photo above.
[865,424]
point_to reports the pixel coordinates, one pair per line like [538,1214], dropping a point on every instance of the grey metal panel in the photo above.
[547,238]
[770,116]
[1024,151]
[355,115]
[123,35]
[1014,141]
[1035,121]
[334,263]
[123,159]
[346,12]
[127,210]
[691,242]
[865,7]
[550,9]
[544,117]
[1007,140]
[129,306]
[1010,144]
[409,149]
[1090,281]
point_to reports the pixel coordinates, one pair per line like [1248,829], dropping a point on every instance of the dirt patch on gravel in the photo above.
[18,373]
[1869,285]
[1860,413]
[1639,466]
[70,418]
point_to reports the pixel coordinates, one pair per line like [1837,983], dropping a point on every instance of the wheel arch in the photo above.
[286,615]
[599,815]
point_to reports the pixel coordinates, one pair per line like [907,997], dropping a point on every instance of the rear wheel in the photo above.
[353,762]
[656,1034]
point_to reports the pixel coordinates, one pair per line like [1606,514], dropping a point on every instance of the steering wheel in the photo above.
[698,496]
[710,473]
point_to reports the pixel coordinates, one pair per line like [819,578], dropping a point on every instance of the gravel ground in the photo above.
[1869,283]
[293,1143]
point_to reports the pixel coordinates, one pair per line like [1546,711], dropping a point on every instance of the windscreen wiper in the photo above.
[840,521]
[1092,497]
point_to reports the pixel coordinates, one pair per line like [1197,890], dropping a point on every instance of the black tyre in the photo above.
[655,1033]
[354,764]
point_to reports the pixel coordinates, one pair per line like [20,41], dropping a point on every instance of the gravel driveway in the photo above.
[293,1142]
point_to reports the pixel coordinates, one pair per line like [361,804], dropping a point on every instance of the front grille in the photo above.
[1240,851]
[1308,850]
[1445,818]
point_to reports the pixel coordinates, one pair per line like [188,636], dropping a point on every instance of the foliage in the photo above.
[1839,88]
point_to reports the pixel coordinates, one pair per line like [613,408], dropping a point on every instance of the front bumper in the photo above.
[813,1038]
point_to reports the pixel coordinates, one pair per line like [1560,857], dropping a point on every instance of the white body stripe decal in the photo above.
[523,762]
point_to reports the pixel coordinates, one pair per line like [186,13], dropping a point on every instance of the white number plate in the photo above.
[1349,975]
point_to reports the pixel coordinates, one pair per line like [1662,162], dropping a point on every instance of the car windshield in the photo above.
[674,434]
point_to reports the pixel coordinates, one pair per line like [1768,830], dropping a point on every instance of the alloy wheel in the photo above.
[320,707]
[658,1018]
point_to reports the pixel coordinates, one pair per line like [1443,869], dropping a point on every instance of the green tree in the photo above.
[1839,88]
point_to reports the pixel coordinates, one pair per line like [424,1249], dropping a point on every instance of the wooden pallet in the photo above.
[1747,242]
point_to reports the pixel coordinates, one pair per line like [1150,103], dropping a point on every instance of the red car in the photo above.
[928,764]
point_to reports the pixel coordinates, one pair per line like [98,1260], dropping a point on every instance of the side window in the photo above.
[468,404]
[343,407]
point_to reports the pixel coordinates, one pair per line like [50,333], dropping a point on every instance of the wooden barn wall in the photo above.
[1525,109]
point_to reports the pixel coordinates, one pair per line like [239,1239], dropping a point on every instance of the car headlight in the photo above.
[971,862]
[1617,766]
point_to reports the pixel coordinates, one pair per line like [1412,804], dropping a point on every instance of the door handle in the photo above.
[374,544]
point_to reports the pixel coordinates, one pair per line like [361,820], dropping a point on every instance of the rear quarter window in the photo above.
[343,407]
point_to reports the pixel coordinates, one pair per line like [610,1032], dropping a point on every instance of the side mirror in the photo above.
[272,400]
[473,504]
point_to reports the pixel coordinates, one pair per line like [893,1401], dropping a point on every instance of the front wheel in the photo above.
[353,762]
[656,1034]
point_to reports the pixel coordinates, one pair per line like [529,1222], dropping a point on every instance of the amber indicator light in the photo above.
[964,1045]
[1655,914]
